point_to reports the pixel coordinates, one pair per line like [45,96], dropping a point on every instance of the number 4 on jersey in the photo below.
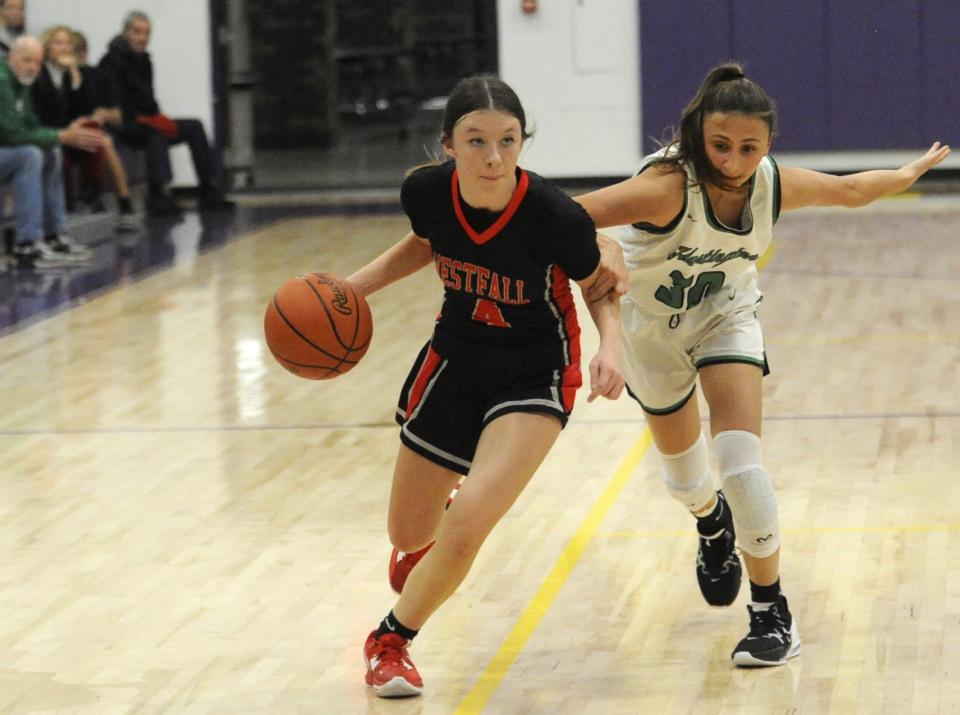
[486,311]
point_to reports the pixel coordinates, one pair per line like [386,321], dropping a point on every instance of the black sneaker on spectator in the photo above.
[162,205]
[89,205]
[211,199]
[96,205]
[41,255]
[63,244]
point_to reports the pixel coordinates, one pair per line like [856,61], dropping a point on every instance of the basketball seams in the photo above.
[330,319]
[295,328]
[292,365]
[339,358]
[356,305]
[356,323]
[322,300]
[360,316]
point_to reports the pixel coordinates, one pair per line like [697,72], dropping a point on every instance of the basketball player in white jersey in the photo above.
[697,216]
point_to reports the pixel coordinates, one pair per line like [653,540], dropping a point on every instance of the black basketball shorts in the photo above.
[446,402]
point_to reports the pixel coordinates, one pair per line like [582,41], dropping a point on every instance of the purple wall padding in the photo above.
[940,84]
[679,42]
[845,75]
[783,47]
[876,74]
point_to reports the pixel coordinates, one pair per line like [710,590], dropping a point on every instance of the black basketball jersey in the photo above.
[505,274]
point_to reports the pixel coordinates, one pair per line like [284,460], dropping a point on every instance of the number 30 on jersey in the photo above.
[686,290]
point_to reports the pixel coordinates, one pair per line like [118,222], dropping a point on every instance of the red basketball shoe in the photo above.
[401,564]
[390,672]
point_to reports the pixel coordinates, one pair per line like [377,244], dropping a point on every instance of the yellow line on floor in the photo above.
[673,533]
[767,256]
[489,680]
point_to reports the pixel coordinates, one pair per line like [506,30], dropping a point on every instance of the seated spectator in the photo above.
[129,67]
[30,161]
[64,92]
[12,13]
[106,111]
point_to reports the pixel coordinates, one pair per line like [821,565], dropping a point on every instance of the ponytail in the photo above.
[725,89]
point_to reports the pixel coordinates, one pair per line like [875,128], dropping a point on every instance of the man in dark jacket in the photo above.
[128,66]
[30,162]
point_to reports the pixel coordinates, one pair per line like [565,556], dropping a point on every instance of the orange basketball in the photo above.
[317,326]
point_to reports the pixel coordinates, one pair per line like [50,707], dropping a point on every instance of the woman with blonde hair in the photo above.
[65,91]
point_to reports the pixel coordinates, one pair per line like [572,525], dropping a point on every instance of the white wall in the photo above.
[179,47]
[575,66]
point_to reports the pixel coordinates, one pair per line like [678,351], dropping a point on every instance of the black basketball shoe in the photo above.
[718,566]
[772,640]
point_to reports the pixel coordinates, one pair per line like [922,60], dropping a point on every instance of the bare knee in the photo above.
[462,539]
[408,535]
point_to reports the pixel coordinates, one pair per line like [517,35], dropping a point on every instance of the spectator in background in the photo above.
[105,109]
[30,161]
[64,92]
[12,13]
[128,66]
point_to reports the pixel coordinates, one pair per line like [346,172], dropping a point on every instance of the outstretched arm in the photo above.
[407,256]
[802,187]
[606,378]
[654,196]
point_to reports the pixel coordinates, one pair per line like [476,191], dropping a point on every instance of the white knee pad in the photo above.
[749,492]
[687,476]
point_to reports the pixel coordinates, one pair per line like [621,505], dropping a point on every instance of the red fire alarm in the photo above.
[529,6]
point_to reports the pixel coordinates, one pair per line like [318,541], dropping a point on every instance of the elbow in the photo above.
[853,196]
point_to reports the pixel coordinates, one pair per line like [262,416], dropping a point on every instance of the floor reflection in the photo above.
[29,295]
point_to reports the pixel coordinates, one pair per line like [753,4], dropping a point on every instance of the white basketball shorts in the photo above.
[662,353]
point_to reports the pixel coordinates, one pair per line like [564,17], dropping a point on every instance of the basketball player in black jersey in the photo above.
[490,392]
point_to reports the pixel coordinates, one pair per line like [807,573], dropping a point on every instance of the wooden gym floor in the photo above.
[187,528]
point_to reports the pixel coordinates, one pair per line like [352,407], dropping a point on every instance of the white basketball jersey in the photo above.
[675,268]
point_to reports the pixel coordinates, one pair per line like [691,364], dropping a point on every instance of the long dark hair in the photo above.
[724,89]
[482,91]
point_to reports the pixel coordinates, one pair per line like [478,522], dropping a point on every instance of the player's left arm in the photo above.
[606,378]
[405,257]
[803,187]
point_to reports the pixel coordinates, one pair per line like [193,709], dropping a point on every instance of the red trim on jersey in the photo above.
[570,382]
[427,371]
[523,184]
[562,298]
